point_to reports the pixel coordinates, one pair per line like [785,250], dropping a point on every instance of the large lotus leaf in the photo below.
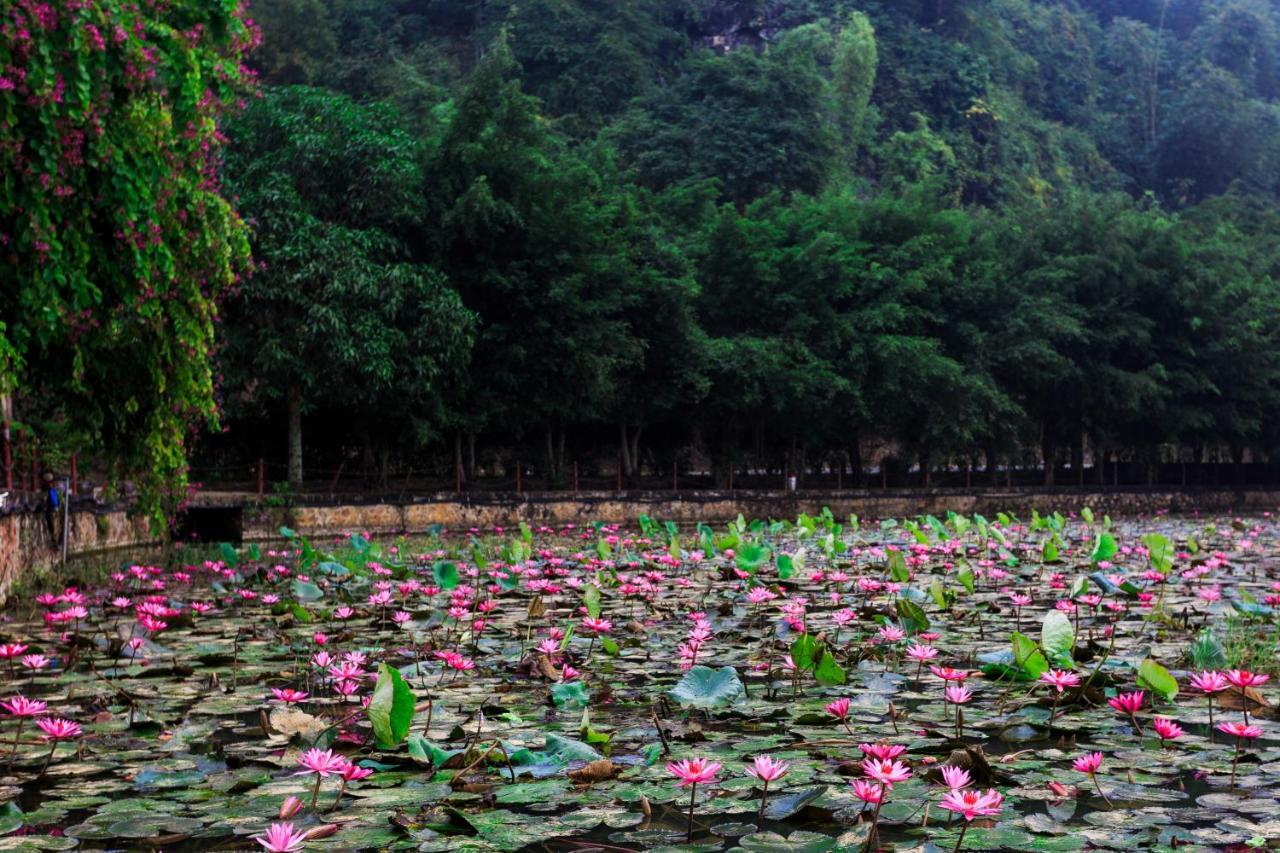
[704,688]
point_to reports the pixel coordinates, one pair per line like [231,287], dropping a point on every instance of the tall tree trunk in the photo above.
[294,402]
[551,454]
[471,455]
[635,454]
[561,467]
[1049,452]
[457,455]
[624,447]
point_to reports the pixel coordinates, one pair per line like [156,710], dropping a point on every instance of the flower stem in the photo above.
[964,827]
[764,795]
[315,792]
[53,746]
[1096,784]
[693,793]
[16,738]
[342,789]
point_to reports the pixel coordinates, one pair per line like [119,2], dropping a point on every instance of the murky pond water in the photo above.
[526,689]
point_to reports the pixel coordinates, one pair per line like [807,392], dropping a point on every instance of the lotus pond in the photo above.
[1045,683]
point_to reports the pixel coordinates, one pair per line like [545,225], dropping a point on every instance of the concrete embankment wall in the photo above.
[24,544]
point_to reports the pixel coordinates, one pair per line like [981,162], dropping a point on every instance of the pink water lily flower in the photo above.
[766,769]
[56,729]
[868,791]
[1060,679]
[1167,729]
[955,777]
[885,771]
[1243,678]
[882,750]
[973,803]
[694,771]
[691,772]
[21,706]
[282,838]
[322,762]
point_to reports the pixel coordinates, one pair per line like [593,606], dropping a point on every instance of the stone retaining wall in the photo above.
[558,508]
[24,544]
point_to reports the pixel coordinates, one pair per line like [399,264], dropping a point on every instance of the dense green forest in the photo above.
[798,234]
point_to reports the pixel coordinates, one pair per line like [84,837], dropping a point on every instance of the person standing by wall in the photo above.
[52,506]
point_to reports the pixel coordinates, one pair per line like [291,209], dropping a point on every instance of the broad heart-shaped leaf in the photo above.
[750,556]
[1027,655]
[1049,552]
[1057,638]
[912,617]
[570,694]
[804,652]
[229,554]
[1159,552]
[965,577]
[591,600]
[445,575]
[390,710]
[941,598]
[1104,548]
[703,687]
[1157,679]
[306,591]
[898,570]
[829,672]
[786,567]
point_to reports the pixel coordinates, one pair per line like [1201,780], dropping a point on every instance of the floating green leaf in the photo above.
[390,710]
[703,687]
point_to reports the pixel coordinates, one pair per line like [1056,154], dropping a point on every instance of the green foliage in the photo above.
[1157,679]
[390,709]
[1057,638]
[705,688]
[1027,655]
[117,245]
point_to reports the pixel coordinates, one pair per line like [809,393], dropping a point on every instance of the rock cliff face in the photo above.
[726,25]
